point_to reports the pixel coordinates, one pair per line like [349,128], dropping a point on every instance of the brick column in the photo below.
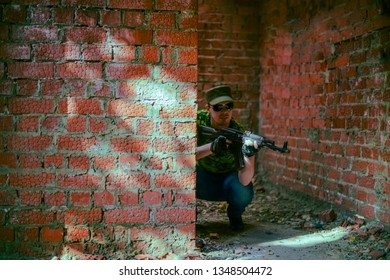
[97,121]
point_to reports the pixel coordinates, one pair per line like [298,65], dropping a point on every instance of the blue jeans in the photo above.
[224,187]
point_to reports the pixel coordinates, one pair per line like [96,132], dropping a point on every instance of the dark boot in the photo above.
[236,223]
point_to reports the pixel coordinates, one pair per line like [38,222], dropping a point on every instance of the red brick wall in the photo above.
[229,53]
[97,110]
[325,88]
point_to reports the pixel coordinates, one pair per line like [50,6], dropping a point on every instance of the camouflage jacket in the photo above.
[215,163]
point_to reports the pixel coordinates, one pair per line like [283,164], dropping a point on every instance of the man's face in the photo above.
[220,114]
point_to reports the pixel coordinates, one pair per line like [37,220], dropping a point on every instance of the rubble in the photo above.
[365,240]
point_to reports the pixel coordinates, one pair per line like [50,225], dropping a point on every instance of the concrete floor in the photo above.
[267,241]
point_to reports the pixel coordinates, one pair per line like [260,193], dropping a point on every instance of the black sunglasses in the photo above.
[220,107]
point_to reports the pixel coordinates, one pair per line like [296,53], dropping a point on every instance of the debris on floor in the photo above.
[279,216]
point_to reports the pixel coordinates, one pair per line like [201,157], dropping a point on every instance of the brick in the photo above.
[188,21]
[183,5]
[188,56]
[83,181]
[27,87]
[77,234]
[169,56]
[129,162]
[6,87]
[176,38]
[103,235]
[76,124]
[81,217]
[145,127]
[133,18]
[79,162]
[327,215]
[130,144]
[185,162]
[185,129]
[55,199]
[80,70]
[98,53]
[126,125]
[150,54]
[40,15]
[15,14]
[35,33]
[31,70]
[80,106]
[124,53]
[166,128]
[30,161]
[62,15]
[32,180]
[127,71]
[128,198]
[29,198]
[384,217]
[181,145]
[179,74]
[185,198]
[49,234]
[30,234]
[104,163]
[30,143]
[151,197]
[31,217]
[6,123]
[174,215]
[8,160]
[51,87]
[126,36]
[28,124]
[135,180]
[35,2]
[88,35]
[101,89]
[366,182]
[75,88]
[14,51]
[57,52]
[110,18]
[7,234]
[104,198]
[134,215]
[178,111]
[30,106]
[97,125]
[183,181]
[80,199]
[123,4]
[127,108]
[162,20]
[366,211]
[86,17]
[7,197]
[54,161]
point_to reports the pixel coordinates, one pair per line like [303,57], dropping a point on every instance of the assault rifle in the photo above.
[238,138]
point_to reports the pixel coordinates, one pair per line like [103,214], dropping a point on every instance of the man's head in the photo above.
[219,105]
[219,94]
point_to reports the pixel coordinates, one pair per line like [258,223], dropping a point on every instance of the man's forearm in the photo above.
[203,151]
[246,174]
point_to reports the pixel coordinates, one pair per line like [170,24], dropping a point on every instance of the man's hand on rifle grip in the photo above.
[219,145]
